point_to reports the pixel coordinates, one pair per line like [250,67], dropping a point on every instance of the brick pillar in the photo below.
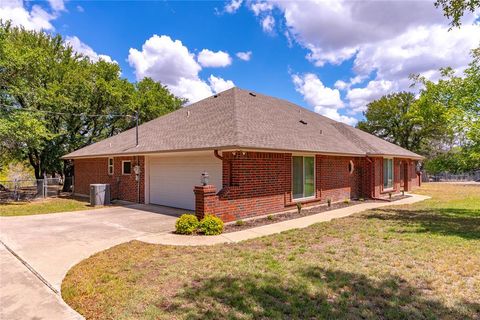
[205,198]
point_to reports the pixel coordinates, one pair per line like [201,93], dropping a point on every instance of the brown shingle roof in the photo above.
[237,118]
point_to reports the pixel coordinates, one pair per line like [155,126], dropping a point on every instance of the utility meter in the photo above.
[136,169]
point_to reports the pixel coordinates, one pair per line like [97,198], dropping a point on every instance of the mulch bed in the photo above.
[247,224]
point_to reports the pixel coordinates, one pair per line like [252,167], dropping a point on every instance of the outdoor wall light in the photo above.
[204,179]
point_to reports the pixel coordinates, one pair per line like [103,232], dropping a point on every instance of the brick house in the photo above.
[262,155]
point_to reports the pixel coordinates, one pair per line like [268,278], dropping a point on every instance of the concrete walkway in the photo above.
[44,247]
[269,229]
[24,296]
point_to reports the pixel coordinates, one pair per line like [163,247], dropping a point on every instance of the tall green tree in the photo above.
[397,118]
[455,9]
[443,123]
[459,96]
[48,94]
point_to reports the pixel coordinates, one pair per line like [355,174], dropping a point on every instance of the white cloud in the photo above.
[208,58]
[233,6]
[245,56]
[191,89]
[218,84]
[419,50]
[259,7]
[324,100]
[268,23]
[80,8]
[315,93]
[387,40]
[35,19]
[164,59]
[341,85]
[82,48]
[170,62]
[57,5]
[359,97]
[351,24]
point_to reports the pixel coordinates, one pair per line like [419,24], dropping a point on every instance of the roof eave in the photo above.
[222,148]
[416,156]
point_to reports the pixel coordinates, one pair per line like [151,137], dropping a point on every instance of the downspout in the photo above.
[137,177]
[371,189]
[230,168]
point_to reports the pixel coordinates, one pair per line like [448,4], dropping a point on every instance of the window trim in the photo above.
[392,188]
[123,172]
[112,166]
[314,178]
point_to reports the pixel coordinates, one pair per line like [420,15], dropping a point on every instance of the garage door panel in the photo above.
[172,179]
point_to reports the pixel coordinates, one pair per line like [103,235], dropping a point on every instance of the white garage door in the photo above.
[172,178]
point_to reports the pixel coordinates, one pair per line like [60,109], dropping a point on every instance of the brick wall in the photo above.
[259,183]
[410,176]
[95,170]
[335,182]
[254,183]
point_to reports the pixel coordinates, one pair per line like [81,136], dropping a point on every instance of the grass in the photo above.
[49,205]
[411,262]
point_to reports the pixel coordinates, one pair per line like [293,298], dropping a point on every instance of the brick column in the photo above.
[205,199]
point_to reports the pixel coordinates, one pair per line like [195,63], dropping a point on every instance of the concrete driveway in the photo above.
[44,247]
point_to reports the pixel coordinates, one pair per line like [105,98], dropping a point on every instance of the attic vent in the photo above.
[215,95]
[303,122]
[252,94]
[188,113]
[321,131]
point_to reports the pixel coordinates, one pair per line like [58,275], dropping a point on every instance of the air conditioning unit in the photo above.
[99,194]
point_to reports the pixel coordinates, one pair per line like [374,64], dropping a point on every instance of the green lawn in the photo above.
[50,205]
[413,262]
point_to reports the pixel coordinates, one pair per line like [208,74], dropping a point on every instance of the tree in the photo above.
[398,119]
[459,96]
[443,123]
[454,9]
[48,94]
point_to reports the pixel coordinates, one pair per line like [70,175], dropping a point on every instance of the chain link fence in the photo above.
[449,177]
[24,190]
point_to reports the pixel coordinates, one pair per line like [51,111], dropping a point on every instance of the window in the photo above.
[303,177]
[387,173]
[351,167]
[110,166]
[126,167]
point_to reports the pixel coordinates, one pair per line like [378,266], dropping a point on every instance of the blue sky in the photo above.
[332,57]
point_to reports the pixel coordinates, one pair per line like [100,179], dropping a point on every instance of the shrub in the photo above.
[329,202]
[299,207]
[270,217]
[239,222]
[346,201]
[186,224]
[211,225]
[390,195]
[361,199]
